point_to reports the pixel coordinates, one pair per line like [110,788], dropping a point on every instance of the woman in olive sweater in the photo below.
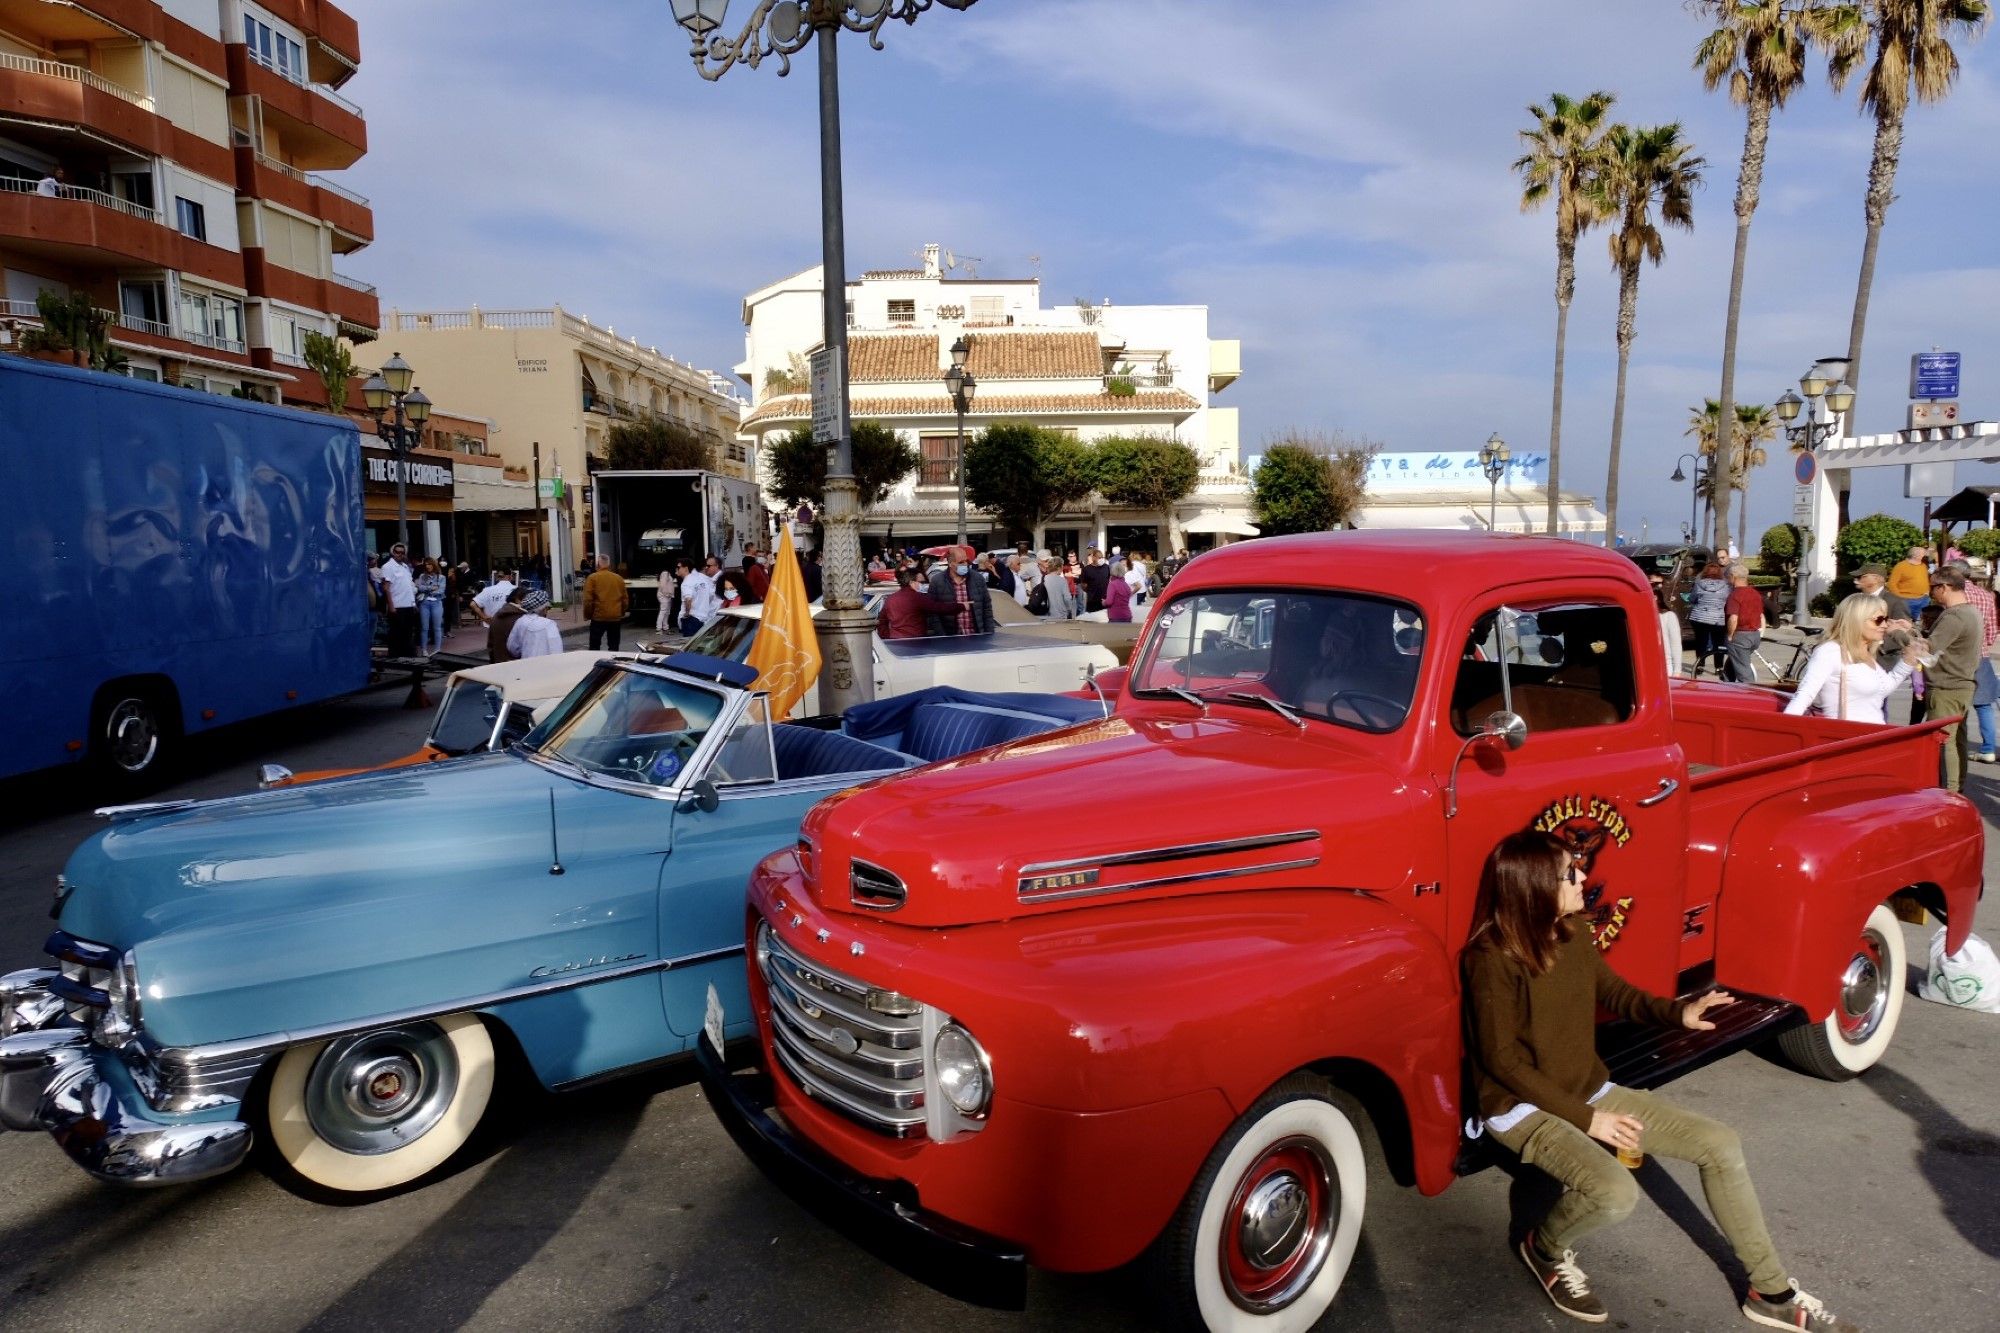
[1534,980]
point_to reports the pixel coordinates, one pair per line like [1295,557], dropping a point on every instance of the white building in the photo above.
[1093,370]
[1448,490]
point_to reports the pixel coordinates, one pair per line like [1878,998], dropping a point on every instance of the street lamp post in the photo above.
[782,28]
[1493,456]
[390,388]
[1821,384]
[959,384]
[1694,492]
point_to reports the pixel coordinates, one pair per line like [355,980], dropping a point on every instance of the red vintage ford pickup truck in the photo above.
[1136,987]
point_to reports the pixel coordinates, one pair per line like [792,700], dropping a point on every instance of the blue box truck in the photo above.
[174,562]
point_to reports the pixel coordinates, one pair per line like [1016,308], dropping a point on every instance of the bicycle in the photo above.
[1789,677]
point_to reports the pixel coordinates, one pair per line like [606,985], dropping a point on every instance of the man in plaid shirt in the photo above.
[1985,686]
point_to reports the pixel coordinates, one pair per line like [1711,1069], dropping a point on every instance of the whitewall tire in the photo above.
[380,1109]
[1263,1240]
[1857,1033]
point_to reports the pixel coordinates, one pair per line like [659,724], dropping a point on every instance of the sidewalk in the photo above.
[470,636]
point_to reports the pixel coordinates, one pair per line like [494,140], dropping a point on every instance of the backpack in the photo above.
[1038,600]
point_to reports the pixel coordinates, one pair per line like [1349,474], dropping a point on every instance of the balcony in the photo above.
[132,333]
[320,128]
[326,27]
[354,302]
[264,177]
[89,229]
[1225,363]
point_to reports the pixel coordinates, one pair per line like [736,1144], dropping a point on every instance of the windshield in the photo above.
[726,637]
[465,719]
[1340,657]
[630,725]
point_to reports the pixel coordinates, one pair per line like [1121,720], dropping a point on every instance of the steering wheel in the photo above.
[1391,712]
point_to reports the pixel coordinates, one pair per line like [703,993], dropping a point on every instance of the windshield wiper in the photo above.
[1180,692]
[1284,710]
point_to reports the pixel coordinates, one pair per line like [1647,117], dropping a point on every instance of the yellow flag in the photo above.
[785,653]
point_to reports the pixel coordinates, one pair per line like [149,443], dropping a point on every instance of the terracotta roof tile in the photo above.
[999,354]
[798,407]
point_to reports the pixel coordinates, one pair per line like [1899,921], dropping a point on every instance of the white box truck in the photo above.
[647,521]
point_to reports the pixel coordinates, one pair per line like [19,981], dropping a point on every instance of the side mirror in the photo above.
[1511,728]
[701,795]
[271,775]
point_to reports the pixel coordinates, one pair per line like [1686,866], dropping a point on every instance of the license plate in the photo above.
[711,1020]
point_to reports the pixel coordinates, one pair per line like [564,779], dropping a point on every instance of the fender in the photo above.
[1803,871]
[1167,1018]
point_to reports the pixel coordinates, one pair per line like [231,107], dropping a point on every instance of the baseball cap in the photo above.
[1874,568]
[535,601]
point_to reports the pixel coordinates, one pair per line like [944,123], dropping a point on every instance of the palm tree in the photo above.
[1640,168]
[1759,49]
[1912,55]
[1755,424]
[1562,151]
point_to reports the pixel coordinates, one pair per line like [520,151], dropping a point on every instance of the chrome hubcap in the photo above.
[131,735]
[379,1091]
[1864,990]
[1279,1227]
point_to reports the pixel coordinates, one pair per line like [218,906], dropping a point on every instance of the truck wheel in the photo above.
[379,1109]
[1863,1022]
[1264,1237]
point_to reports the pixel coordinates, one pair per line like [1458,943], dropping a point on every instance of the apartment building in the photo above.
[1092,370]
[554,379]
[166,159]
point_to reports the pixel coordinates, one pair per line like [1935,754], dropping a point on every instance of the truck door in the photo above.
[1600,768]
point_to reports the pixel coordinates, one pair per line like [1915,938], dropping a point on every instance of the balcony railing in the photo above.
[138,325]
[75,74]
[304,177]
[21,185]
[288,359]
[354,284]
[211,340]
[298,76]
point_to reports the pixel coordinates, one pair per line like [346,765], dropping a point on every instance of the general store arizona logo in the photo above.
[1587,825]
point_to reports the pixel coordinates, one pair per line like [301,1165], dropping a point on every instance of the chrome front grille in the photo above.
[857,1049]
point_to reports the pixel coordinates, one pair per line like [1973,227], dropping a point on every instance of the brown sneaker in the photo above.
[1800,1312]
[1564,1284]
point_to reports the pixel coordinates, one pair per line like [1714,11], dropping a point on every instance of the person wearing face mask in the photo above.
[953,580]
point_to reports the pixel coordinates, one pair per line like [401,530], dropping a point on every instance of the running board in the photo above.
[1641,1056]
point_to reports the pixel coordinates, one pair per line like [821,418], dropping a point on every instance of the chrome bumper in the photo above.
[50,1079]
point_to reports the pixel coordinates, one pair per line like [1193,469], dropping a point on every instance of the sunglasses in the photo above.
[1575,872]
[1879,620]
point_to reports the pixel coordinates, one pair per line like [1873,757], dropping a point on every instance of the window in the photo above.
[212,320]
[145,301]
[1341,657]
[134,187]
[146,373]
[1567,667]
[940,453]
[191,218]
[273,50]
[902,312]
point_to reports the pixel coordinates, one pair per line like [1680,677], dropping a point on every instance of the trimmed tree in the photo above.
[1878,539]
[1026,475]
[1310,482]
[333,364]
[797,464]
[1146,472]
[1981,543]
[1779,550]
[655,446]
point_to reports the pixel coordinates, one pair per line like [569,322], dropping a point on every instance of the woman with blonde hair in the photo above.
[1843,677]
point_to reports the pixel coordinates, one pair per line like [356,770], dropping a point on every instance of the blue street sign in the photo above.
[1805,469]
[1934,375]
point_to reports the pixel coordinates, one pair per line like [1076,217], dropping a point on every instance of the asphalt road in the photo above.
[627,1207]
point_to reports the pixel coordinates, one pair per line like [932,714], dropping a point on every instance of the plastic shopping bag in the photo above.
[1968,979]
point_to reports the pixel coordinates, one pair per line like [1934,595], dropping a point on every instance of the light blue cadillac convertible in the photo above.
[334,965]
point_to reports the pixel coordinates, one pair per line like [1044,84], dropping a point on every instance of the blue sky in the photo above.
[1330,177]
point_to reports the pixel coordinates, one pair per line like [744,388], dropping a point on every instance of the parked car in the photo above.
[485,708]
[1007,659]
[1166,1035]
[334,965]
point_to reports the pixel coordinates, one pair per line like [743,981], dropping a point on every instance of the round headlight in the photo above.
[962,1071]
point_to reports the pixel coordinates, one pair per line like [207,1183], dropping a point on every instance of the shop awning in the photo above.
[1225,523]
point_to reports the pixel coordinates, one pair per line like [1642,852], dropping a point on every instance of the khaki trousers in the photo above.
[1953,703]
[1599,1191]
